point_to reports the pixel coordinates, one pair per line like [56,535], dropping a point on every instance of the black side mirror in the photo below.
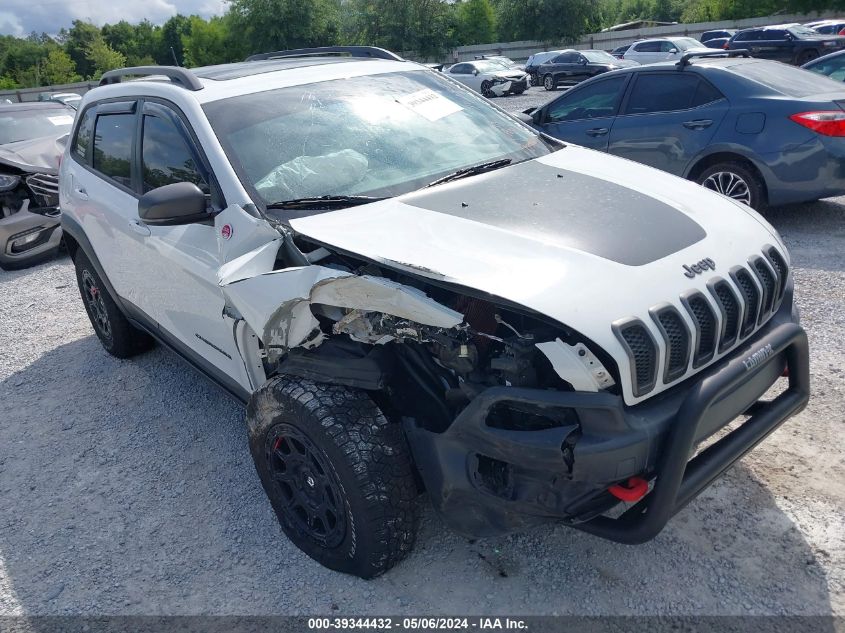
[475,72]
[177,203]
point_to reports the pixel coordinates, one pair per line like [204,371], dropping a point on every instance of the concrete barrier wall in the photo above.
[31,94]
[520,51]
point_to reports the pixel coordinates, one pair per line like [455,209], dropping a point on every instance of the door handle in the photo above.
[698,124]
[139,228]
[597,131]
[80,193]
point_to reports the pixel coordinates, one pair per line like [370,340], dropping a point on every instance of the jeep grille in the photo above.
[731,312]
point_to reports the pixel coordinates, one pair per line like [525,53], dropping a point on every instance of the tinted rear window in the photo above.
[787,80]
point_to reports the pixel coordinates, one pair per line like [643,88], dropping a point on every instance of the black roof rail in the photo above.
[352,51]
[176,74]
[686,57]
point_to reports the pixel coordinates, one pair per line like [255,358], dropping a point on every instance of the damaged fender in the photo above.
[278,304]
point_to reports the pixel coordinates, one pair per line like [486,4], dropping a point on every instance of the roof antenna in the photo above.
[175,61]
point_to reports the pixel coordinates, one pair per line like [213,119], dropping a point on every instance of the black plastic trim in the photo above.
[178,75]
[656,312]
[353,51]
[777,262]
[750,317]
[618,329]
[768,303]
[678,481]
[699,359]
[725,341]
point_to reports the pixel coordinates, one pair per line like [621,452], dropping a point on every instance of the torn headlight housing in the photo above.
[9,182]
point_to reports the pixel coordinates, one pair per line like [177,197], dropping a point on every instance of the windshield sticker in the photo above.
[429,104]
[64,119]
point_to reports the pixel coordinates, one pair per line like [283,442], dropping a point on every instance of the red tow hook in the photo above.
[632,490]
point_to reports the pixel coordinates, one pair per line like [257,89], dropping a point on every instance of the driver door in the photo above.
[181,261]
[585,114]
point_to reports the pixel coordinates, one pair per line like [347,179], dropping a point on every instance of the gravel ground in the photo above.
[126,487]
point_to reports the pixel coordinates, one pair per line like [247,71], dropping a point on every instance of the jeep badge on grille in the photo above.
[698,268]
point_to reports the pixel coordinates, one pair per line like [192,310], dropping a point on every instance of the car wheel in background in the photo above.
[119,337]
[807,56]
[534,80]
[338,473]
[737,181]
[487,89]
[549,82]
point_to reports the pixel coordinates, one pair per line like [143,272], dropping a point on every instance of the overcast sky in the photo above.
[20,17]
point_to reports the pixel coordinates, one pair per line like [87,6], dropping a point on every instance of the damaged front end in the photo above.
[29,215]
[484,389]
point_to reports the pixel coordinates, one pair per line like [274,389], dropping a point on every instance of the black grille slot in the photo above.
[705,325]
[731,313]
[643,354]
[752,300]
[677,337]
[779,264]
[769,283]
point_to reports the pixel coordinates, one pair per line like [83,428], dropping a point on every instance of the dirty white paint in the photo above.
[583,372]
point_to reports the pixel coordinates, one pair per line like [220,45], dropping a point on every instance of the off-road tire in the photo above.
[756,186]
[119,337]
[362,459]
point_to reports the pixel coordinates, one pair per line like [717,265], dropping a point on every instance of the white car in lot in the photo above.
[490,77]
[662,49]
[410,289]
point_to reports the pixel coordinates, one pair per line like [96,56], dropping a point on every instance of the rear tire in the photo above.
[807,56]
[338,474]
[737,181]
[119,337]
[549,83]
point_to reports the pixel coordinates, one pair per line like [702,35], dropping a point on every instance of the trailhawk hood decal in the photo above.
[579,236]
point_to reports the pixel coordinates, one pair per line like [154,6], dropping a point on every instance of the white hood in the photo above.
[633,229]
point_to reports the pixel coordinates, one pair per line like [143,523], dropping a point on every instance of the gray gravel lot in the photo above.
[126,487]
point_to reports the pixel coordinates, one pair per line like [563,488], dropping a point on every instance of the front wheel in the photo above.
[548,82]
[487,89]
[338,474]
[736,181]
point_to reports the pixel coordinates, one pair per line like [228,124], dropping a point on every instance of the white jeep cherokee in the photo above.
[410,289]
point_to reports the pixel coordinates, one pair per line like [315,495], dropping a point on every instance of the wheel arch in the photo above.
[701,163]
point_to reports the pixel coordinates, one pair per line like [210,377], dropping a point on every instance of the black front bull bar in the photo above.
[678,481]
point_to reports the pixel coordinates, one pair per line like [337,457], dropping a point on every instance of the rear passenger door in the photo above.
[103,194]
[774,44]
[667,119]
[585,114]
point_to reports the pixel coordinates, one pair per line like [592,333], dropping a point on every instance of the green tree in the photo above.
[103,57]
[171,39]
[7,83]
[59,68]
[269,25]
[546,20]
[78,41]
[208,42]
[476,22]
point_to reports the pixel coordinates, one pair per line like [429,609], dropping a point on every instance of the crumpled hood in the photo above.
[580,236]
[38,154]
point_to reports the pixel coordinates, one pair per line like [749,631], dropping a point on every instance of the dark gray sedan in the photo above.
[759,131]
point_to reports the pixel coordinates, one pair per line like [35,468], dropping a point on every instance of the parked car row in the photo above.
[759,131]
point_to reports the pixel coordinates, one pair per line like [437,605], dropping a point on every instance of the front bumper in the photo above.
[485,480]
[17,247]
[508,87]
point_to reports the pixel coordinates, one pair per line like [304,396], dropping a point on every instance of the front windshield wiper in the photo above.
[323,202]
[471,171]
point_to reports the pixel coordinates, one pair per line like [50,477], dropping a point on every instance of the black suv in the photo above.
[790,43]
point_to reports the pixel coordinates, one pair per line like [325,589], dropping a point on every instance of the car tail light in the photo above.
[842,32]
[726,45]
[828,123]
